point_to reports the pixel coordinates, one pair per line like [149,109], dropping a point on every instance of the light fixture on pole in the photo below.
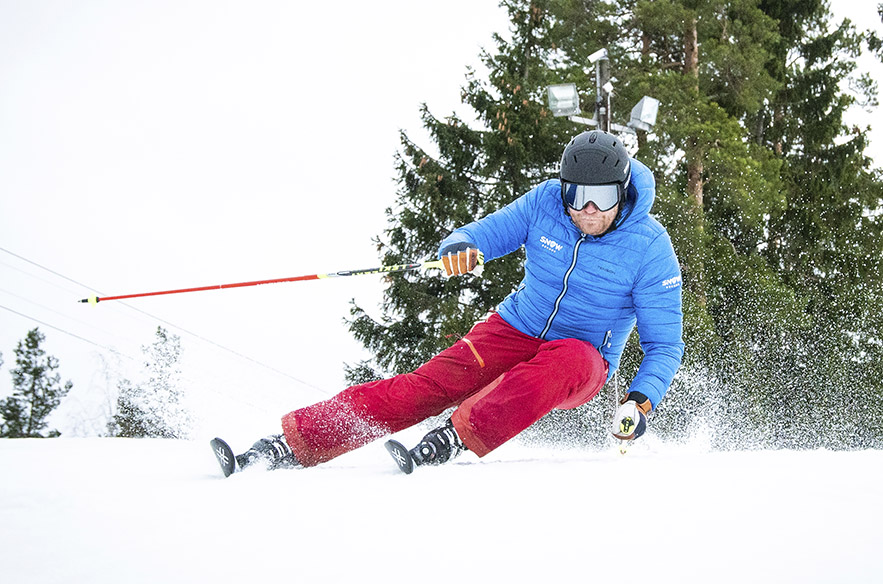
[564,101]
[643,115]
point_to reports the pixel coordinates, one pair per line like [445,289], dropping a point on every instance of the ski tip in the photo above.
[224,454]
[401,456]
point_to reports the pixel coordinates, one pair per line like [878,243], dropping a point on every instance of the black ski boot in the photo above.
[272,451]
[437,447]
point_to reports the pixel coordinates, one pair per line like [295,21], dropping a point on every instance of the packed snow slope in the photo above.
[116,510]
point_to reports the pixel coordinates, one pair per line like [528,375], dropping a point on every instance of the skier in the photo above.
[596,265]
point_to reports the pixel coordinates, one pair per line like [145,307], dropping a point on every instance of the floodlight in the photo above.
[597,56]
[644,113]
[563,100]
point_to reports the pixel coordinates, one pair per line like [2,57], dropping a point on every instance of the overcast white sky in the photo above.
[166,144]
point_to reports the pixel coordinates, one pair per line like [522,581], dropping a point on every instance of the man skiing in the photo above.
[596,266]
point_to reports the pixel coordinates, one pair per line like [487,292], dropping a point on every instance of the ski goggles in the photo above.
[577,196]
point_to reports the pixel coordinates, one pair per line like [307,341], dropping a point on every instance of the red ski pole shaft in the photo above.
[380,270]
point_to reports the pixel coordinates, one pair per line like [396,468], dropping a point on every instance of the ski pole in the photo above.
[381,270]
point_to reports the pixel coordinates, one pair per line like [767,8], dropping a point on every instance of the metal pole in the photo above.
[602,105]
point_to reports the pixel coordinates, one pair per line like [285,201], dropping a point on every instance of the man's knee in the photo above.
[580,357]
[571,349]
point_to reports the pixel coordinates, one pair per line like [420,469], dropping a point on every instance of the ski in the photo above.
[225,456]
[401,456]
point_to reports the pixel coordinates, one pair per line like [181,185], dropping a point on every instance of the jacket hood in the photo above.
[640,195]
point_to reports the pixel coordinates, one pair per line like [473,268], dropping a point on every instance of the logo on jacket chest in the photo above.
[552,246]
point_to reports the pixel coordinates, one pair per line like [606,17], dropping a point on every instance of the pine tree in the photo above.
[715,188]
[475,171]
[154,408]
[828,241]
[37,391]
[654,53]
[753,330]
[772,206]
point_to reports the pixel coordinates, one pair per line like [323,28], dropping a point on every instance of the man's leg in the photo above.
[563,372]
[363,413]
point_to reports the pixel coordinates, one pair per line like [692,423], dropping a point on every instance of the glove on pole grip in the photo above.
[460,258]
[630,419]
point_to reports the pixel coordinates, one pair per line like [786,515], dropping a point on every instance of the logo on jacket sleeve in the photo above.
[549,244]
[671,283]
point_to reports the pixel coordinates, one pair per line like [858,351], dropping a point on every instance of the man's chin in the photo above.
[594,230]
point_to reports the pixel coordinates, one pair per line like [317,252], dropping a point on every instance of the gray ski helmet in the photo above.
[592,159]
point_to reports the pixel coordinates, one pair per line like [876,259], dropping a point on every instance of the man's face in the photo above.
[591,221]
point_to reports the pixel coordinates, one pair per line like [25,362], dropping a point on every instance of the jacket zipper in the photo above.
[564,288]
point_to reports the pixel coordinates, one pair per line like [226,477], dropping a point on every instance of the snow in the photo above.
[121,510]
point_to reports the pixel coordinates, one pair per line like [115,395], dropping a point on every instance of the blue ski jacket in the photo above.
[592,288]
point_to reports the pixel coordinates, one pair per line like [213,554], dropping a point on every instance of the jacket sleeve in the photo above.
[502,231]
[657,300]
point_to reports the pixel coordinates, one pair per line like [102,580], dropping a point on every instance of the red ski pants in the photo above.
[502,380]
